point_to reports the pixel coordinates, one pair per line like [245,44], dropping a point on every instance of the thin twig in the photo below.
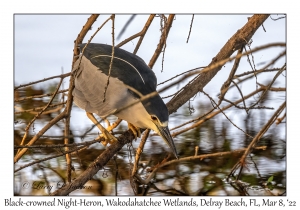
[241,93]
[177,82]
[269,86]
[140,34]
[143,32]
[76,53]
[45,146]
[162,41]
[185,72]
[39,114]
[43,80]
[201,119]
[112,55]
[187,40]
[277,18]
[243,107]
[265,128]
[163,21]
[91,38]
[47,105]
[257,71]
[208,71]
[39,134]
[139,151]
[200,157]
[34,110]
[48,158]
[87,26]
[222,62]
[279,120]
[227,83]
[276,89]
[125,26]
[39,96]
[213,101]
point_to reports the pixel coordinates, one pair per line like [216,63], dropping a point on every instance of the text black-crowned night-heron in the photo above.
[129,80]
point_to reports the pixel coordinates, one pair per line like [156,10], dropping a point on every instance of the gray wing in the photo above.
[89,89]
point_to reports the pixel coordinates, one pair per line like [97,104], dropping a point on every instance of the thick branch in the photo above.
[97,165]
[238,40]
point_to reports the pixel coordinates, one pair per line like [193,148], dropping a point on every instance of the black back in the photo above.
[100,56]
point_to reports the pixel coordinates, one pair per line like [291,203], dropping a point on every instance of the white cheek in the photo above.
[164,124]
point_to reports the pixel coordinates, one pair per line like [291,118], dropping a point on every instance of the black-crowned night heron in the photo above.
[129,80]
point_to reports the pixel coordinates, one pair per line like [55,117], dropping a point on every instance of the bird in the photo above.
[112,81]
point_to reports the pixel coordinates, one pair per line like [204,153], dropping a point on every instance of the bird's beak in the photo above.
[165,134]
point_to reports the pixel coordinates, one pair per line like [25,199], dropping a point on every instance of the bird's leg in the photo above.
[109,138]
[135,130]
[115,124]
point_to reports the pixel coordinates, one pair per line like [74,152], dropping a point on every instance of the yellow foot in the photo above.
[109,138]
[135,130]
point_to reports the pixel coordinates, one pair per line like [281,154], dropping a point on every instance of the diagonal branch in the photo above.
[162,41]
[140,34]
[238,40]
[76,51]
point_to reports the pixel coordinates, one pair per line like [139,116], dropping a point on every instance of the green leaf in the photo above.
[270,179]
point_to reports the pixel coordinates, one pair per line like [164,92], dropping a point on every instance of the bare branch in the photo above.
[76,53]
[241,93]
[226,115]
[200,157]
[187,40]
[277,89]
[47,158]
[43,80]
[234,43]
[257,71]
[185,72]
[227,83]
[34,110]
[206,117]
[162,41]
[98,164]
[125,26]
[278,18]
[39,96]
[39,134]
[242,161]
[112,17]
[87,26]
[139,151]
[41,146]
[269,86]
[279,120]
[141,34]
[37,115]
